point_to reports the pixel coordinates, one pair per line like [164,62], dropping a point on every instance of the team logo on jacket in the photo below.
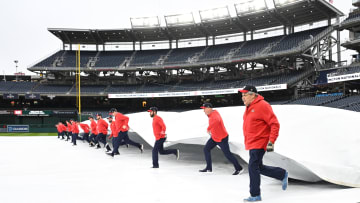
[253,110]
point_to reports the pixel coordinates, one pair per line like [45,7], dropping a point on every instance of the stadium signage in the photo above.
[35,113]
[32,96]
[341,78]
[173,94]
[193,93]
[2,112]
[271,87]
[10,96]
[18,128]
[65,112]
[17,112]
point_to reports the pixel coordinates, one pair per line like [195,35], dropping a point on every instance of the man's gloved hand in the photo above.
[270,147]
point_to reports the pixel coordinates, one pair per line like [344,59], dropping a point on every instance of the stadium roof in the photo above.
[292,14]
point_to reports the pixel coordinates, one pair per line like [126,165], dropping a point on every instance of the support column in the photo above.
[252,35]
[170,44]
[207,40]
[213,39]
[296,93]
[70,47]
[134,45]
[329,42]
[338,41]
[330,49]
[284,30]
[289,30]
[177,43]
[244,36]
[140,45]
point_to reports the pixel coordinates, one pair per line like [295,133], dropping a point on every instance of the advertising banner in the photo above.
[18,128]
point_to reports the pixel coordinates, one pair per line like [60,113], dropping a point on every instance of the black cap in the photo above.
[206,105]
[248,88]
[99,114]
[90,117]
[112,110]
[110,117]
[153,109]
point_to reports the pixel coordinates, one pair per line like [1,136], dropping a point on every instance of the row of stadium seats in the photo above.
[351,17]
[316,101]
[232,51]
[34,87]
[351,103]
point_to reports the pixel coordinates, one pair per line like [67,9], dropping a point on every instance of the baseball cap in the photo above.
[248,88]
[153,109]
[112,110]
[99,114]
[206,105]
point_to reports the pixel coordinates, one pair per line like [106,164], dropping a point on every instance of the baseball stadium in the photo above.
[180,68]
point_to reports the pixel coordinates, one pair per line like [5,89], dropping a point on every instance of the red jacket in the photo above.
[85,127]
[260,124]
[93,127]
[113,130]
[62,128]
[216,126]
[120,121]
[159,127]
[75,128]
[58,128]
[102,126]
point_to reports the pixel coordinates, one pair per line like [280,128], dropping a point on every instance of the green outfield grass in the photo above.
[28,134]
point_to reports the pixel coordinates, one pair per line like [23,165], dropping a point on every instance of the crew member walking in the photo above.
[261,129]
[220,137]
[159,129]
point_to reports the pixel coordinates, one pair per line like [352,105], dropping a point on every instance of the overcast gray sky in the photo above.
[24,23]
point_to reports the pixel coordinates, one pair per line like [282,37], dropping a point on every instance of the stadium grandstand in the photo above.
[285,50]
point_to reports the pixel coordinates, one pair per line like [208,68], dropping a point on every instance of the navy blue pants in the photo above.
[100,138]
[67,135]
[70,135]
[61,134]
[116,142]
[92,138]
[123,136]
[256,167]
[224,146]
[86,137]
[159,148]
[74,136]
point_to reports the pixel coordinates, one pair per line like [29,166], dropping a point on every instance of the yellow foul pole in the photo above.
[79,105]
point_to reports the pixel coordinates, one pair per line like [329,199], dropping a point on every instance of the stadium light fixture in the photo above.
[180,19]
[145,22]
[214,14]
[248,7]
[16,66]
[279,3]
[270,4]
